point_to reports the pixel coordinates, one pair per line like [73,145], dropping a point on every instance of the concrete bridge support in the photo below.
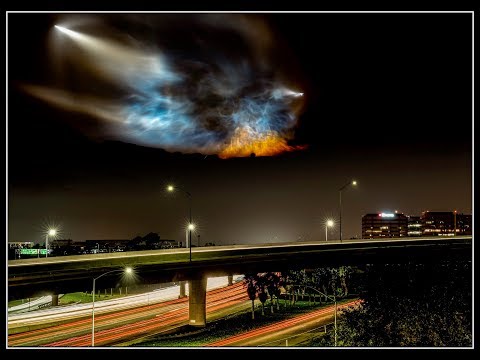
[55,300]
[230,280]
[182,290]
[197,302]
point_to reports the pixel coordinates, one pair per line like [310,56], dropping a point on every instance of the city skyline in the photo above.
[333,225]
[374,107]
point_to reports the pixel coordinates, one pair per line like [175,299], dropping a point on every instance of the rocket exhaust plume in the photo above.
[214,89]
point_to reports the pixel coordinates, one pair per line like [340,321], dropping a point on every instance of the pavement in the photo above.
[36,318]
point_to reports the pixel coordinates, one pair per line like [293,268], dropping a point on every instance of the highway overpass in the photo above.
[55,275]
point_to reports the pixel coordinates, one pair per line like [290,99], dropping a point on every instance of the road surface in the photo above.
[121,321]
[279,329]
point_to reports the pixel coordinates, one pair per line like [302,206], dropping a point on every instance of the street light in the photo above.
[190,228]
[353,183]
[171,188]
[331,298]
[50,232]
[455,223]
[128,271]
[328,224]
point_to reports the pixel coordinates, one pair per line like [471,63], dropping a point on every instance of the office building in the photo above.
[446,223]
[384,225]
[415,227]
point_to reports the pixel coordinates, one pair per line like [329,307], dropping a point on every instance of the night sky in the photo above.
[387,101]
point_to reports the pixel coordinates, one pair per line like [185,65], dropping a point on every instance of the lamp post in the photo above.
[190,228]
[329,223]
[455,223]
[171,188]
[353,183]
[331,298]
[127,270]
[50,232]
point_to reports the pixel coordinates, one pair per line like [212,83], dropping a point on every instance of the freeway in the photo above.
[279,329]
[31,305]
[125,324]
[44,276]
[41,318]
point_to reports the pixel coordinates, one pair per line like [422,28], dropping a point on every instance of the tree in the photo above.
[320,279]
[281,284]
[343,275]
[294,277]
[272,284]
[261,290]
[262,296]
[250,280]
[134,244]
[151,240]
[333,280]
[414,304]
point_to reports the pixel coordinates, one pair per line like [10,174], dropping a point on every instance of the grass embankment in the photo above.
[232,325]
[81,297]
[19,302]
[72,298]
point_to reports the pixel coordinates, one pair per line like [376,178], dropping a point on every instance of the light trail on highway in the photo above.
[70,312]
[126,324]
[279,326]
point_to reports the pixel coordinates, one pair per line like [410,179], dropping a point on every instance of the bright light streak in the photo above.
[69,32]
[62,29]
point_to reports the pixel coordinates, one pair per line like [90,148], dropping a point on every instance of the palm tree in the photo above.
[262,296]
[272,282]
[281,284]
[292,277]
[261,290]
[251,281]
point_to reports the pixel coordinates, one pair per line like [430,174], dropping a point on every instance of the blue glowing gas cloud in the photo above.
[214,98]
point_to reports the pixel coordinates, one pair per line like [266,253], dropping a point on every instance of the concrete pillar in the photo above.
[182,289]
[55,300]
[230,280]
[197,301]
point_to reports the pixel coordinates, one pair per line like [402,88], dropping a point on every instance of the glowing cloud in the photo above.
[229,100]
